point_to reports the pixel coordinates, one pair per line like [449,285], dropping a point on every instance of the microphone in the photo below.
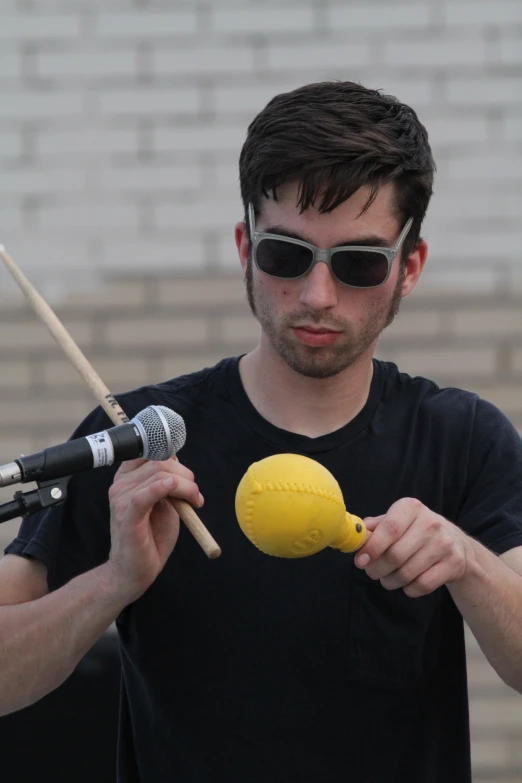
[155,433]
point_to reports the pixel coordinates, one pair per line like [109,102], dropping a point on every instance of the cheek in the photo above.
[361,309]
[273,288]
[361,301]
[378,299]
[383,295]
[276,292]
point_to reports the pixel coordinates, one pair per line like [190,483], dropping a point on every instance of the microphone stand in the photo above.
[49,493]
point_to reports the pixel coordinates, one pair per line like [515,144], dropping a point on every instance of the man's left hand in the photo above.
[413,548]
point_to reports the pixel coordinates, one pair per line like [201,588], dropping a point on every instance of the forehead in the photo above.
[328,229]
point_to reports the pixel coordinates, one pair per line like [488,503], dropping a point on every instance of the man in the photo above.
[328,668]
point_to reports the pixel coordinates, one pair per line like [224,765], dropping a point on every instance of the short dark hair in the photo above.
[333,138]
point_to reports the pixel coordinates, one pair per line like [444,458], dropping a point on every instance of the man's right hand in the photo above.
[144,525]
[45,636]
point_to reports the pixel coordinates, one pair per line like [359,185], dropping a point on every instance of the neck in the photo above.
[306,406]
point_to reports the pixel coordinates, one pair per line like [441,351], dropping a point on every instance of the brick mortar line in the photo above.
[117,312]
[205,346]
[86,314]
[44,390]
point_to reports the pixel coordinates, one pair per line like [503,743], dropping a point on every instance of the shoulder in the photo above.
[184,390]
[420,392]
[461,413]
[184,394]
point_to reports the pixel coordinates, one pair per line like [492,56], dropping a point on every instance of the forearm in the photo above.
[489,597]
[42,641]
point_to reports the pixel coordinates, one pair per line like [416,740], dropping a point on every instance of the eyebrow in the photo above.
[371,240]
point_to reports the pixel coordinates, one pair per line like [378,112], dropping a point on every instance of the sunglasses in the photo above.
[352,265]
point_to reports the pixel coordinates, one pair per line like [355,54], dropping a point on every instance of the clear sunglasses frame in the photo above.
[318,254]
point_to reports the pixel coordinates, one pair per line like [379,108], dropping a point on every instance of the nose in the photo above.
[319,288]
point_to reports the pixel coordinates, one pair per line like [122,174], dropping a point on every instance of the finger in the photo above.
[141,470]
[182,488]
[173,466]
[411,570]
[145,497]
[130,465]
[159,486]
[152,479]
[430,580]
[165,526]
[398,553]
[185,489]
[390,529]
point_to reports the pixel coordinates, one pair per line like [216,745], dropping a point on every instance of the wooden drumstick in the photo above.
[101,392]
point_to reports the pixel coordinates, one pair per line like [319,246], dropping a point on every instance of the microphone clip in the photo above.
[49,493]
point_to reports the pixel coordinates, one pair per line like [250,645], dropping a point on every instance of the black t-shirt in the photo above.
[254,668]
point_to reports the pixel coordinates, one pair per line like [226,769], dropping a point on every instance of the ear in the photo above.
[414,267]
[242,243]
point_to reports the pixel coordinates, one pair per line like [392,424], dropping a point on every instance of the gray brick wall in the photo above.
[121,123]
[120,128]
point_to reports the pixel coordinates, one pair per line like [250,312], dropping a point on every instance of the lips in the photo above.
[315,337]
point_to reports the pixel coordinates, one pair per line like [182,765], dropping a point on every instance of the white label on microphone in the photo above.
[102,449]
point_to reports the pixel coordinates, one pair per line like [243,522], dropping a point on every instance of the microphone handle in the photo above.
[95,451]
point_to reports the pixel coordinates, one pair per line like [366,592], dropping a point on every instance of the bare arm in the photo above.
[44,636]
[489,598]
[43,639]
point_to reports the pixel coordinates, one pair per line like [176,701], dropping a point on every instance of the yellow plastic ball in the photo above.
[292,506]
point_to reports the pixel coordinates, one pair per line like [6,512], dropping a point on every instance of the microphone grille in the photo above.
[164,429]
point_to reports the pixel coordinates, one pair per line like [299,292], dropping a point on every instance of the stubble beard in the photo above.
[327,361]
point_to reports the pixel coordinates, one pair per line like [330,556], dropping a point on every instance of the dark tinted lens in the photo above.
[282,259]
[360,268]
